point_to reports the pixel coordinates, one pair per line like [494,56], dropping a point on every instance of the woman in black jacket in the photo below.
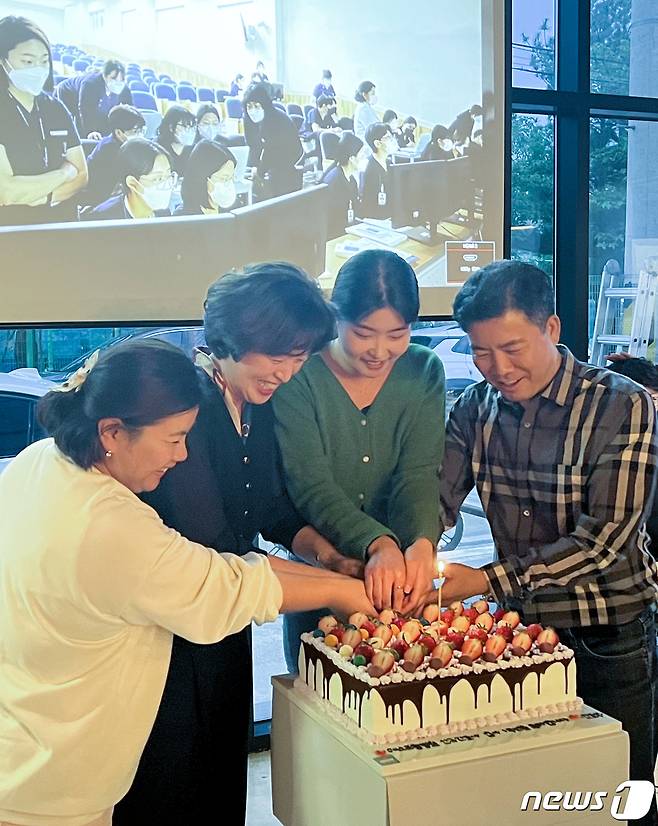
[208,187]
[343,188]
[274,144]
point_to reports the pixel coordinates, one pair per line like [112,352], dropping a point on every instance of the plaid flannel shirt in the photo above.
[566,481]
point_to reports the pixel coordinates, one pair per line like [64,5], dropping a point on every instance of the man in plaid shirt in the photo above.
[563,456]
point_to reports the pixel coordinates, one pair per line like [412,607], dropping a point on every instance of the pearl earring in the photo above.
[108,453]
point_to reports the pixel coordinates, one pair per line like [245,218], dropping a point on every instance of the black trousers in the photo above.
[618,674]
[193,771]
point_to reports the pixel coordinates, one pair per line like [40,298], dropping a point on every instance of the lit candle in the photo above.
[441,568]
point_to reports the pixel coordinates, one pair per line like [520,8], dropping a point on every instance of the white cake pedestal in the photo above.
[324,776]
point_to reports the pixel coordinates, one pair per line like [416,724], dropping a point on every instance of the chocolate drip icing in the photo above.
[395,694]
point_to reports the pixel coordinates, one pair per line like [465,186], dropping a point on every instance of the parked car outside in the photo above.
[187,338]
[453,347]
[20,391]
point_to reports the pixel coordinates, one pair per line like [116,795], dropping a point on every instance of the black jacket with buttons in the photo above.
[228,490]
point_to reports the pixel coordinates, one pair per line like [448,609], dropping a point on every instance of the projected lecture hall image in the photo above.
[367,139]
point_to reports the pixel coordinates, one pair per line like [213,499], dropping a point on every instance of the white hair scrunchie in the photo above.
[77,379]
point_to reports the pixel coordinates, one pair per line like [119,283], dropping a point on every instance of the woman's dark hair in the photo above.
[326,74]
[324,100]
[389,115]
[140,382]
[640,370]
[238,77]
[502,286]
[412,120]
[375,132]
[136,158]
[125,117]
[364,88]
[258,93]
[372,280]
[207,109]
[348,146]
[174,116]
[271,308]
[111,66]
[205,159]
[15,30]
[440,133]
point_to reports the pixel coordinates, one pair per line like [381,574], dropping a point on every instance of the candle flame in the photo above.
[442,567]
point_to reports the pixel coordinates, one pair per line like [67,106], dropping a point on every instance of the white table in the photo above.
[323,776]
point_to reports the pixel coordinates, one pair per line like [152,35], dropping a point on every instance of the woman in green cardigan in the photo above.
[361,430]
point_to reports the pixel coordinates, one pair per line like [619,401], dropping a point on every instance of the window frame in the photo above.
[573,104]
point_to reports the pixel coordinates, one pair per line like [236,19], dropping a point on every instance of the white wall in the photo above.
[48,17]
[423,56]
[198,35]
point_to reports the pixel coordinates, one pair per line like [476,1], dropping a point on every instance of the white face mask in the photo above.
[446,144]
[208,131]
[256,115]
[156,197]
[30,80]
[185,136]
[115,86]
[223,194]
[372,100]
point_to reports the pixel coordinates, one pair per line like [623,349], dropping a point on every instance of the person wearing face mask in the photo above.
[260,325]
[364,114]
[101,91]
[274,145]
[324,87]
[440,147]
[42,165]
[343,189]
[147,183]
[361,432]
[208,124]
[126,123]
[407,135]
[208,187]
[177,133]
[374,195]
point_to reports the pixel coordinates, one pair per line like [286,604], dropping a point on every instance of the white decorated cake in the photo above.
[393,680]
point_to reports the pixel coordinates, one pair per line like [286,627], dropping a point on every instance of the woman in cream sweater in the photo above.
[93,586]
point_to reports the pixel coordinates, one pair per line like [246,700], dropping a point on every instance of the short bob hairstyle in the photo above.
[273,308]
[207,109]
[125,117]
[137,157]
[348,147]
[111,66]
[372,280]
[364,88]
[503,286]
[15,30]
[206,158]
[376,132]
[173,117]
[140,383]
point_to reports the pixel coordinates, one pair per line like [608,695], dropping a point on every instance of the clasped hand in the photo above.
[399,581]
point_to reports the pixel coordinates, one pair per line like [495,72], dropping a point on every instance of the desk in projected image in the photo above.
[428,262]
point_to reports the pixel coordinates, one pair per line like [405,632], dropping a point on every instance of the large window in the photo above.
[533,160]
[533,44]
[584,76]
